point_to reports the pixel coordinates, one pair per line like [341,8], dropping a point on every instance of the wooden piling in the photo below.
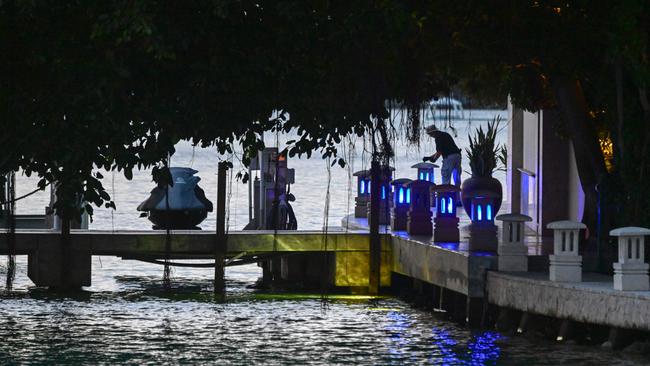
[373,220]
[65,252]
[220,245]
[565,330]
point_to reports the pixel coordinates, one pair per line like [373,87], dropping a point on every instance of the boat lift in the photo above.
[272,181]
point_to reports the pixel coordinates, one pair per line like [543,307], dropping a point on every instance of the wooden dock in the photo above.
[188,244]
[349,251]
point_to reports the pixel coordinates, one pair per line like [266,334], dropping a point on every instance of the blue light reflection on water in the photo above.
[445,345]
[447,348]
[480,350]
[397,328]
[483,349]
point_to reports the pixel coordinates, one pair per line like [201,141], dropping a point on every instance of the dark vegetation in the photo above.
[116,84]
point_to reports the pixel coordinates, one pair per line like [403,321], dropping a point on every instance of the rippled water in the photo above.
[127,318]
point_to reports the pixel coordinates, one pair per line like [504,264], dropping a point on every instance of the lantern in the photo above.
[565,263]
[513,252]
[363,193]
[631,271]
[425,171]
[385,195]
[401,203]
[483,232]
[446,220]
[419,214]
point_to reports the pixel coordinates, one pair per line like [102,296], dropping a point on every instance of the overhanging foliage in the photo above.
[117,83]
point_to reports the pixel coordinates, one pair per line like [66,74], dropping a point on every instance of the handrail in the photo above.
[526,172]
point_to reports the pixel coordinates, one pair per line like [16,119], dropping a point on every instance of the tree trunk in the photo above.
[65,251]
[589,159]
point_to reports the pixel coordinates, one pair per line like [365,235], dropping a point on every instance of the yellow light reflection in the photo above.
[352,269]
[317,297]
[607,149]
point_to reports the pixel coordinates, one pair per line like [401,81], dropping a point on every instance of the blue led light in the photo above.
[421,175]
[489,212]
[450,205]
[408,195]
[362,190]
[400,195]
[383,192]
[479,213]
[427,178]
[443,208]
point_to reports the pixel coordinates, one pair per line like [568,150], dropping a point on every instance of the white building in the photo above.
[542,178]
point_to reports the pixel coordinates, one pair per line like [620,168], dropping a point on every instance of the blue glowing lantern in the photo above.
[401,202]
[446,220]
[363,193]
[419,214]
[483,209]
[402,195]
[425,171]
[363,182]
[385,193]
[446,198]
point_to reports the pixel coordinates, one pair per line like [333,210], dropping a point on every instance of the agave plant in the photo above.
[483,152]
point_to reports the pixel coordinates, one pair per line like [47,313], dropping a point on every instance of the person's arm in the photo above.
[432,158]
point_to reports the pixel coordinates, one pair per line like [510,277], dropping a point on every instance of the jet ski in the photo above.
[181,206]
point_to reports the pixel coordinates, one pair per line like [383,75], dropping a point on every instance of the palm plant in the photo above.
[483,152]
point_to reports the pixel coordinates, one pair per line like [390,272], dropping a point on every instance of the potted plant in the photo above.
[484,156]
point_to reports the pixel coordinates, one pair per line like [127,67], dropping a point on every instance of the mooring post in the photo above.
[375,243]
[220,246]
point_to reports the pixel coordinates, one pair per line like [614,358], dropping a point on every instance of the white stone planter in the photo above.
[565,263]
[631,272]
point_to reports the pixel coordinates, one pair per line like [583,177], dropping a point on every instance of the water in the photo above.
[126,317]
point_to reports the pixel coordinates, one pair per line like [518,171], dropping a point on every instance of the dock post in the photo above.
[220,245]
[373,220]
[60,265]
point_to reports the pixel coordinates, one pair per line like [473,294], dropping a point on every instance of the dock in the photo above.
[470,279]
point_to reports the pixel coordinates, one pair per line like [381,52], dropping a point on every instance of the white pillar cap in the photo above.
[566,225]
[630,231]
[513,217]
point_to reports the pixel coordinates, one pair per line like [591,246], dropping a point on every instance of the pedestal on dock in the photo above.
[363,193]
[384,212]
[385,196]
[426,171]
[398,218]
[482,231]
[565,263]
[446,220]
[419,215]
[631,272]
[513,253]
[401,202]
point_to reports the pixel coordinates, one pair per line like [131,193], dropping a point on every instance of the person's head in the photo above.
[432,130]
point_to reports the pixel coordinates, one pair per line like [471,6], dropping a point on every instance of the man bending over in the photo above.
[451,157]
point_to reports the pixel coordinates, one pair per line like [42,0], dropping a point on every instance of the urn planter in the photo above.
[478,186]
